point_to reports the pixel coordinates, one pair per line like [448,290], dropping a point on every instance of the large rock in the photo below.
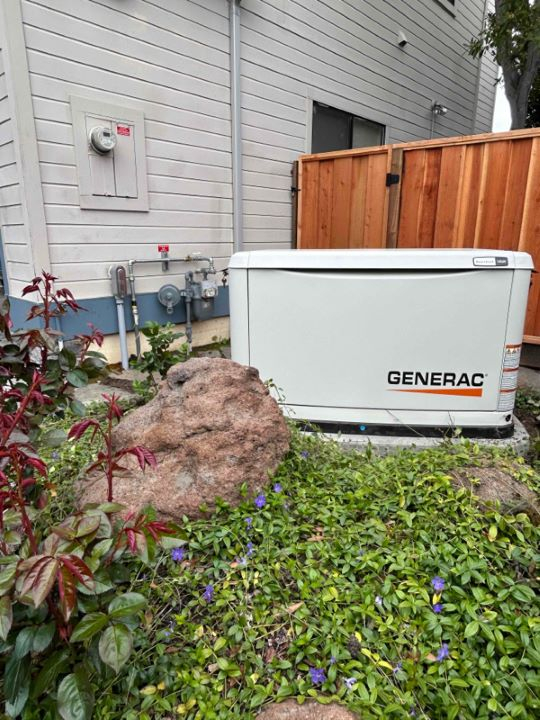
[290,710]
[498,486]
[212,427]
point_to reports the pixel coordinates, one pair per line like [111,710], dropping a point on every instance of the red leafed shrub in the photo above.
[38,349]
[106,459]
[59,587]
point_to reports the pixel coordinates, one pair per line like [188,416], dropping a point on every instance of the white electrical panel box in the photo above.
[110,154]
[374,340]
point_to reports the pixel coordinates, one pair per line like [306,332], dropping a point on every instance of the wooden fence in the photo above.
[472,191]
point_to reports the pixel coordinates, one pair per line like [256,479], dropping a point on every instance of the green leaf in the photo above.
[492,704]
[7,579]
[43,636]
[222,663]
[53,438]
[219,644]
[44,582]
[67,359]
[472,628]
[24,642]
[89,626]
[111,507]
[16,684]
[77,378]
[168,542]
[75,697]
[126,604]
[52,667]
[115,646]
[78,408]
[6,616]
[87,525]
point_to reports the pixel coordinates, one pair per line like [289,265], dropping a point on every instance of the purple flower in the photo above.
[397,668]
[412,712]
[317,676]
[177,554]
[277,487]
[55,455]
[438,584]
[249,521]
[443,652]
[350,682]
[333,660]
[208,594]
[437,608]
[249,549]
[378,600]
[260,501]
[304,454]
[242,560]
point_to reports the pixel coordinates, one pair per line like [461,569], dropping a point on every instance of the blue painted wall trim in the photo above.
[101,312]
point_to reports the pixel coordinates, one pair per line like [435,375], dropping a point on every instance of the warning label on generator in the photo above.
[507,394]
[509,379]
[512,355]
[507,400]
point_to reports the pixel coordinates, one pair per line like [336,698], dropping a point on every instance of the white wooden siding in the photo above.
[170,59]
[17,254]
[345,54]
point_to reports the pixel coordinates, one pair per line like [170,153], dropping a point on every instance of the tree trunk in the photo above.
[518,86]
[518,108]
[518,81]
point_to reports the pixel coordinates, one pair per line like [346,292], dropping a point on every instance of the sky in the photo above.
[501,114]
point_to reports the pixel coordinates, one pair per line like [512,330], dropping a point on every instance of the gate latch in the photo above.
[391,179]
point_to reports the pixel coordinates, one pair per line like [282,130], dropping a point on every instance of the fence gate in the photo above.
[473,191]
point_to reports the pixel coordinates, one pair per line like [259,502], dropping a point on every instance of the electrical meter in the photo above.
[102,139]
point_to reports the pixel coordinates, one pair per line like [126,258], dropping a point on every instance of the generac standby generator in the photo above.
[385,340]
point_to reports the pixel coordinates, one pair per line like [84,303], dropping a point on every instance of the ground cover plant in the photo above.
[371,582]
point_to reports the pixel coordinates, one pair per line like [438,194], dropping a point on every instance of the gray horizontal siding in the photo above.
[168,58]
[345,53]
[16,250]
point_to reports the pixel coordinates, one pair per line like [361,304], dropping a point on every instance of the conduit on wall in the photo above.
[236,126]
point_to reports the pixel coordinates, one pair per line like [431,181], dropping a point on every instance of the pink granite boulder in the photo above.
[212,426]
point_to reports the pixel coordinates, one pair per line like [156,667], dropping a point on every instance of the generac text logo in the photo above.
[437,383]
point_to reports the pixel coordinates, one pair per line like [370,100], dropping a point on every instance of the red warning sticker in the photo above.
[123,130]
[163,248]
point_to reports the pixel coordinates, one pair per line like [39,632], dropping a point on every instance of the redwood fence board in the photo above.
[472,191]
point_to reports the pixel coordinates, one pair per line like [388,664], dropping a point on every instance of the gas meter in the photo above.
[102,139]
[208,289]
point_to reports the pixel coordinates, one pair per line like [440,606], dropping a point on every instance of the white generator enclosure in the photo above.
[385,340]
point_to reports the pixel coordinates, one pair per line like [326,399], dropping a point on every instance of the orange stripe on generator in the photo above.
[464,392]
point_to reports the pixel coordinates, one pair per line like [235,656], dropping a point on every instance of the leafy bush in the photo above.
[59,585]
[23,353]
[160,358]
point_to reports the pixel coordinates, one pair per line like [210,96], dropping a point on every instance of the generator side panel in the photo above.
[239,309]
[517,309]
